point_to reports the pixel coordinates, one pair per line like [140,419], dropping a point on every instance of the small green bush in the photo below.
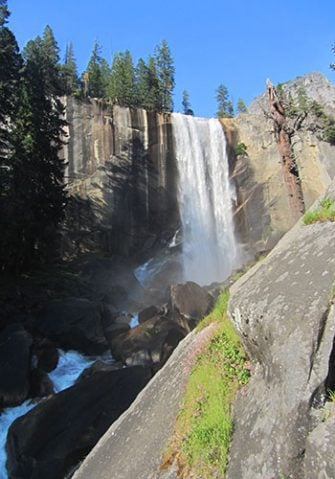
[240,149]
[325,212]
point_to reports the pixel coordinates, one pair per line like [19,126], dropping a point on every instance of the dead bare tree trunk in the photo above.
[283,135]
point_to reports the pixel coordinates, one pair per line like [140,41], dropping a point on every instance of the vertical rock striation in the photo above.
[121,177]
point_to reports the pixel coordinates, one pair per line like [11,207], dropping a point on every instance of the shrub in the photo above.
[325,212]
[240,149]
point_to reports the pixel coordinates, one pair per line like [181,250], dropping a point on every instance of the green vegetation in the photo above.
[225,105]
[325,212]
[332,65]
[32,191]
[300,106]
[241,106]
[331,396]
[240,149]
[187,110]
[204,425]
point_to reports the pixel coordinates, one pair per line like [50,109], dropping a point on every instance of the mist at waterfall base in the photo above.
[209,248]
[70,365]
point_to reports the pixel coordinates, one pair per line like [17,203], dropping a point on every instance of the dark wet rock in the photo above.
[74,323]
[97,366]
[40,384]
[190,301]
[58,433]
[115,329]
[147,313]
[149,344]
[46,354]
[15,359]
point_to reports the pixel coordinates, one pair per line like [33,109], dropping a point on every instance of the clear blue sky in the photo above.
[238,43]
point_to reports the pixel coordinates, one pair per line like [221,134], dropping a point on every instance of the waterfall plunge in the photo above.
[205,199]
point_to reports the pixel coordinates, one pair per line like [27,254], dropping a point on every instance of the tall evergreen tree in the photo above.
[187,110]
[332,65]
[147,85]
[69,71]
[165,70]
[225,106]
[10,71]
[4,12]
[94,73]
[10,79]
[123,80]
[241,106]
[37,195]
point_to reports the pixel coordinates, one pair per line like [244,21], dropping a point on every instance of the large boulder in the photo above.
[74,323]
[58,433]
[190,301]
[15,359]
[46,354]
[283,310]
[149,343]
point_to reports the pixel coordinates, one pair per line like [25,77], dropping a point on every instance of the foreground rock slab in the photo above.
[53,437]
[133,445]
[284,313]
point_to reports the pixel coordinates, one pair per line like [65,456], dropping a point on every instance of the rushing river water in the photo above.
[71,364]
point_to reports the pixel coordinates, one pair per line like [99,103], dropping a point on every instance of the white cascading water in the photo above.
[205,199]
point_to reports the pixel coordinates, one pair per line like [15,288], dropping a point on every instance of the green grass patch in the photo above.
[204,426]
[325,212]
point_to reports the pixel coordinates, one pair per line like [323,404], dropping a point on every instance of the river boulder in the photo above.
[74,323]
[15,361]
[189,301]
[59,432]
[149,343]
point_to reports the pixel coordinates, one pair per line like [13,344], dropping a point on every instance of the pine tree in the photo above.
[37,188]
[4,13]
[69,71]
[332,65]
[105,76]
[241,106]
[147,85]
[187,110]
[10,80]
[11,63]
[225,106]
[123,89]
[142,83]
[165,73]
[94,73]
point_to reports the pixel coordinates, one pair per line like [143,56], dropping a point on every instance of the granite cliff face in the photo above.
[264,214]
[121,176]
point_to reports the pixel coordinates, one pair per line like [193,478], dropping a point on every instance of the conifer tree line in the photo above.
[146,85]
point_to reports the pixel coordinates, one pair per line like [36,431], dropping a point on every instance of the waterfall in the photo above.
[205,199]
